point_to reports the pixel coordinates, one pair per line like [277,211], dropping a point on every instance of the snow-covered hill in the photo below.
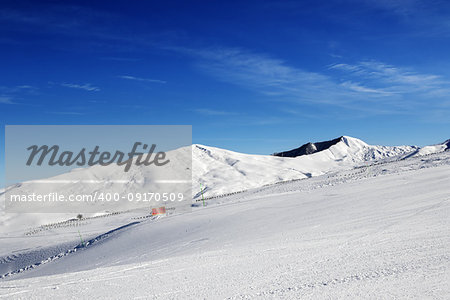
[433,149]
[218,171]
[379,231]
[222,171]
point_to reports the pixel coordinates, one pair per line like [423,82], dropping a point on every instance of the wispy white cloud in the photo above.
[86,86]
[132,106]
[11,94]
[141,79]
[123,59]
[335,55]
[25,87]
[393,79]
[275,78]
[266,75]
[424,18]
[345,67]
[360,88]
[18,89]
[70,113]
[401,7]
[369,87]
[6,100]
[213,112]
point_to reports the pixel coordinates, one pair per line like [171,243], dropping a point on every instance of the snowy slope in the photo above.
[222,171]
[218,171]
[374,232]
[433,148]
[87,181]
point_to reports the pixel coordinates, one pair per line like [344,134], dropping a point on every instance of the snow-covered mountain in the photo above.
[356,147]
[221,171]
[309,148]
[445,146]
[378,232]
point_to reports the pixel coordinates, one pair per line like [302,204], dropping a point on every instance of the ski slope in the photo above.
[218,171]
[375,231]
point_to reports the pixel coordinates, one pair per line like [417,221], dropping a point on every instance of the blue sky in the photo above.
[250,76]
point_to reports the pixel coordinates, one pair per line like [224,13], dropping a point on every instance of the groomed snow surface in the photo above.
[377,230]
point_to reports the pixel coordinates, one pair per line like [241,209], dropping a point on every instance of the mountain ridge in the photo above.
[309,148]
[314,147]
[217,171]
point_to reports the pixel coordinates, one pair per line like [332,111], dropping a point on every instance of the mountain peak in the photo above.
[310,148]
[447,143]
[353,142]
[349,148]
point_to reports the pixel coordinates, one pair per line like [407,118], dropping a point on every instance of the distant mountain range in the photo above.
[220,171]
[310,148]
